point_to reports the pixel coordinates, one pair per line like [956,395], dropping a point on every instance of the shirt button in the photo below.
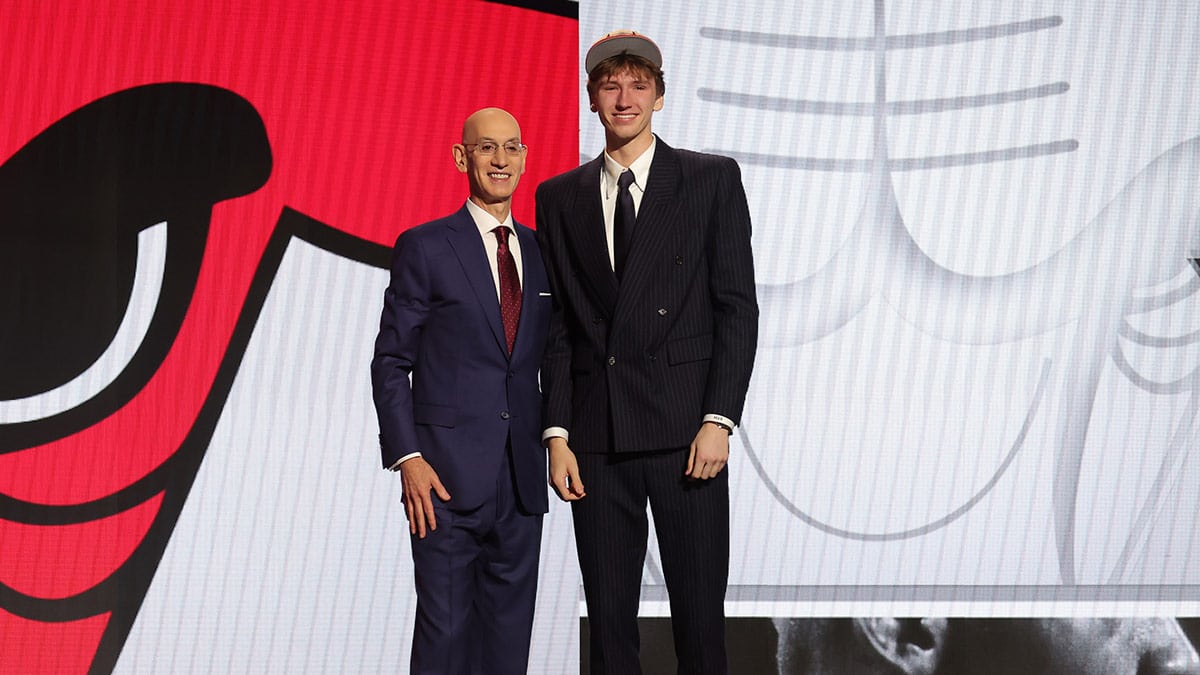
[504,415]
[662,311]
[612,360]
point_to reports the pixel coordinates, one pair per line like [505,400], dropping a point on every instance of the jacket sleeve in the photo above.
[405,308]
[734,299]
[556,360]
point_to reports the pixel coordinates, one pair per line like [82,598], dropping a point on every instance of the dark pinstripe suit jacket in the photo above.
[634,366]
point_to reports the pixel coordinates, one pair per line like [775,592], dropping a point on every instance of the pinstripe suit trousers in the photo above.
[691,518]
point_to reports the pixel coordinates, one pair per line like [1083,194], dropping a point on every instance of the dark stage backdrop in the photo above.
[977,387]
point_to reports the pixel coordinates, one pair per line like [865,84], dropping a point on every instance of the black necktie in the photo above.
[510,287]
[623,221]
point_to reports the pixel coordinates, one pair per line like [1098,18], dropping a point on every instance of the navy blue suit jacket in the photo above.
[467,397]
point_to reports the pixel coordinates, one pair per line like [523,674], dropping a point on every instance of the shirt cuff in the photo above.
[396,466]
[721,420]
[555,432]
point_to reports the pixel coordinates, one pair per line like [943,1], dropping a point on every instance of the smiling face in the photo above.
[625,100]
[493,177]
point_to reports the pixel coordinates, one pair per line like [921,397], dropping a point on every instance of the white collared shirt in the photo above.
[609,174]
[486,222]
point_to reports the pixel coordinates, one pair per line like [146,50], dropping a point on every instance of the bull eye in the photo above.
[124,320]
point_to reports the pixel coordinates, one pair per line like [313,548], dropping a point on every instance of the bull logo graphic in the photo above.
[144,213]
[972,227]
[1089,303]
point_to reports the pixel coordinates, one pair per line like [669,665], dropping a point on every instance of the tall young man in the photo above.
[651,346]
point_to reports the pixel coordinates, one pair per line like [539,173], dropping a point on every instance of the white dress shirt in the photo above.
[486,222]
[608,190]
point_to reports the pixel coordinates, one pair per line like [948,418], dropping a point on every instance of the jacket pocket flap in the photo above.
[437,415]
[695,348]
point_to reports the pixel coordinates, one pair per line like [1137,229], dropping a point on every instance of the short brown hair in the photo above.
[626,62]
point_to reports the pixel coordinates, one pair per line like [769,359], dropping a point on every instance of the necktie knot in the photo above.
[501,237]
[625,180]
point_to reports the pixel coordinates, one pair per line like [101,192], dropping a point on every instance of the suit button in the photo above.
[662,311]
[612,360]
[653,358]
[504,415]
[597,320]
[678,260]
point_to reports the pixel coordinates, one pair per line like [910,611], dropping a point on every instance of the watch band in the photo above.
[728,429]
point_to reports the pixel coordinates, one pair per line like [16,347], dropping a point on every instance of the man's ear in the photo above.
[460,157]
[913,645]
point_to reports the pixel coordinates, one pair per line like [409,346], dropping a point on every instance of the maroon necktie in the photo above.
[510,287]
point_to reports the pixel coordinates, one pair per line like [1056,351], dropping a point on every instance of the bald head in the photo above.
[486,118]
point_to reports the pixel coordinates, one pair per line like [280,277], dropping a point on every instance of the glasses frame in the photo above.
[499,146]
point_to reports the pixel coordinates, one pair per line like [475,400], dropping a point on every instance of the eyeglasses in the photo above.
[488,148]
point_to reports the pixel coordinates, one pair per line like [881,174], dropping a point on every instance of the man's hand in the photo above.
[710,452]
[419,480]
[564,470]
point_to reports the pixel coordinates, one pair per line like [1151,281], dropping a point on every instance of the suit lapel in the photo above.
[656,221]
[532,281]
[587,238]
[464,239]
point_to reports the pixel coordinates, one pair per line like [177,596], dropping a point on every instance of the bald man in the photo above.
[455,380]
